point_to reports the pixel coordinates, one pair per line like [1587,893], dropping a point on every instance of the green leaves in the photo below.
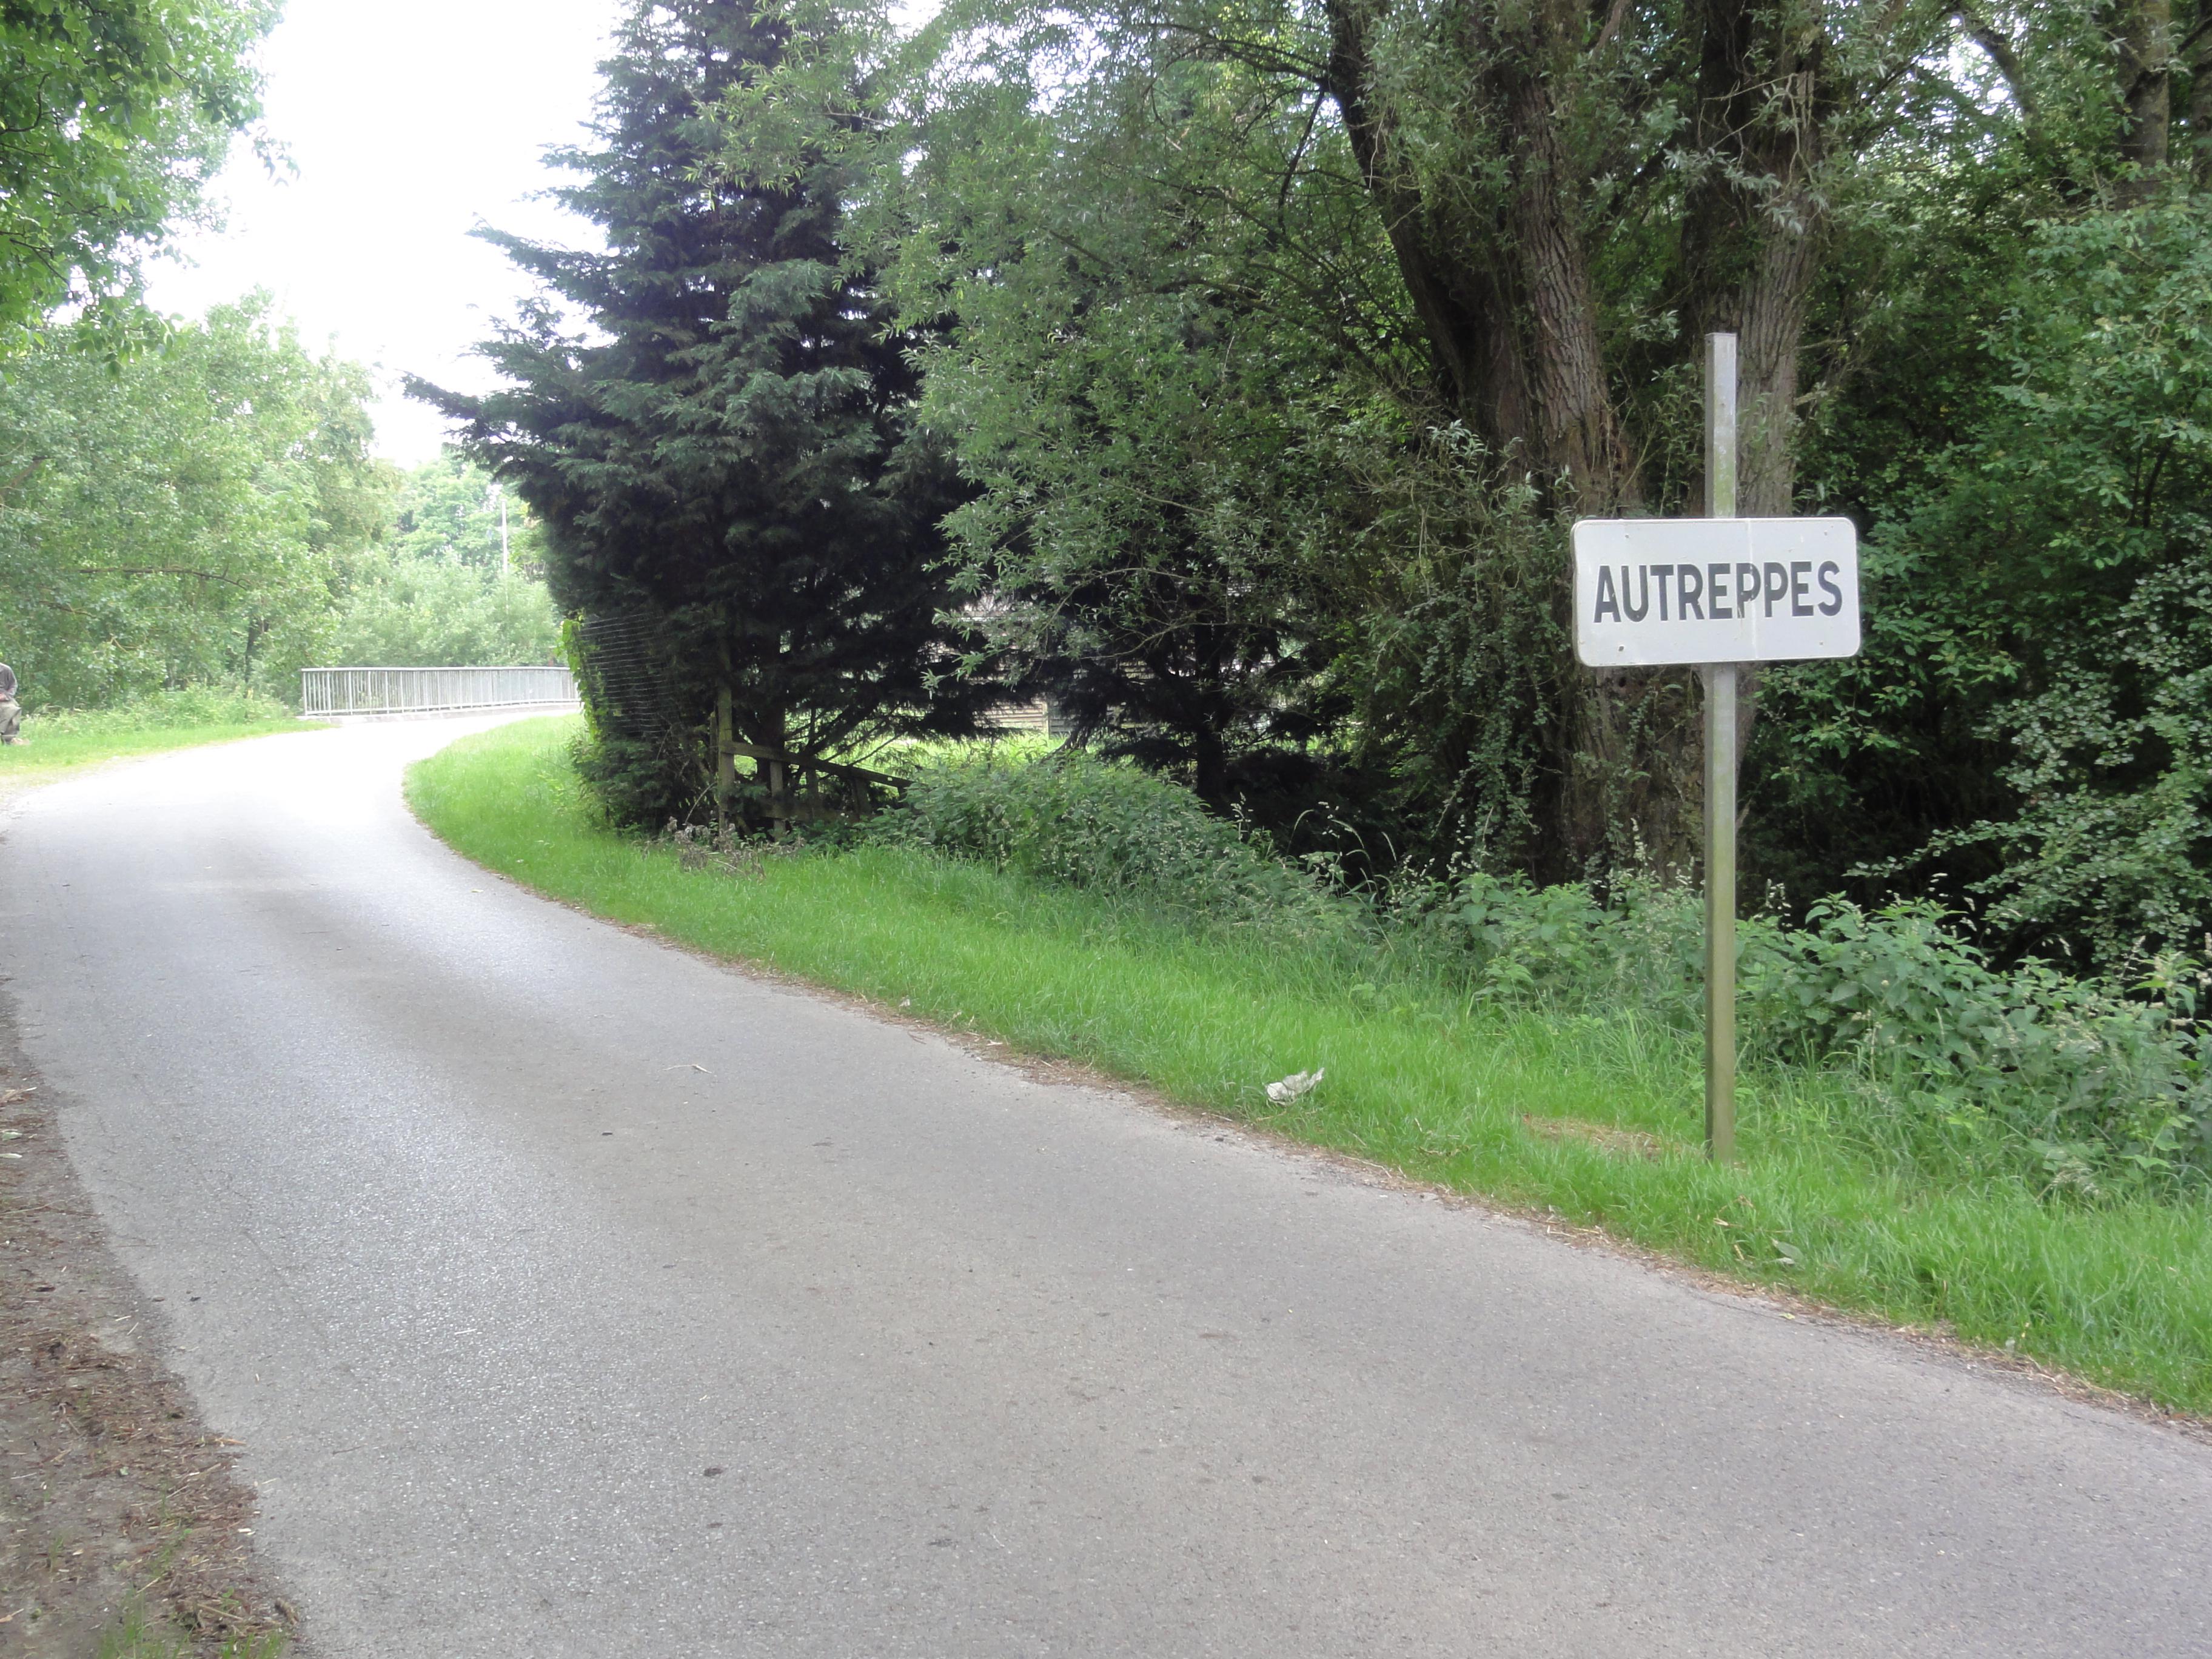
[185,517]
[2085,495]
[2024,1072]
[730,462]
[113,116]
[1069,817]
[1164,298]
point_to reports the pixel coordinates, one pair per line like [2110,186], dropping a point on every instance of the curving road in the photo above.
[573,1296]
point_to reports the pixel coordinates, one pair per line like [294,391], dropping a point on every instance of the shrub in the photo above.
[2072,1085]
[641,782]
[2070,1081]
[1070,817]
[1515,940]
[2092,1084]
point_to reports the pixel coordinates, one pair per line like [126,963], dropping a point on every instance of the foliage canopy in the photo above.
[114,114]
[727,454]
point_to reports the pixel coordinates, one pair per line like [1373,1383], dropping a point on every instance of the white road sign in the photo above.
[1653,590]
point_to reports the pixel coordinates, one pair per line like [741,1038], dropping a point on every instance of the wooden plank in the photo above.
[754,752]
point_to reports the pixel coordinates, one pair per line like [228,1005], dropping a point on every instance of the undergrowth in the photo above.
[2074,1087]
[162,711]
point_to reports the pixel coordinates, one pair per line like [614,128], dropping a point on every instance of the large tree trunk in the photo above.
[1509,304]
[1618,752]
[2200,102]
[1751,243]
[1457,292]
[2142,45]
[1577,431]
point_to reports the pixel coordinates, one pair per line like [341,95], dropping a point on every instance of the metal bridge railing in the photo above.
[430,690]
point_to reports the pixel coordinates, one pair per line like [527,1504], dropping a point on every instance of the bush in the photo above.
[642,783]
[2072,1085]
[2093,1086]
[2070,1082]
[1068,816]
[1513,940]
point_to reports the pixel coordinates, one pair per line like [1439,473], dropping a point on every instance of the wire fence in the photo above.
[430,690]
[628,691]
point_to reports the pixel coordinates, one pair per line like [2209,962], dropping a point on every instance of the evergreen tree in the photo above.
[727,456]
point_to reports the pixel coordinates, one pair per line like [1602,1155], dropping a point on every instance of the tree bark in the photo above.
[2143,41]
[2200,102]
[1455,289]
[1577,427]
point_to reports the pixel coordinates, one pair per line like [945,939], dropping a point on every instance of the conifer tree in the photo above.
[726,454]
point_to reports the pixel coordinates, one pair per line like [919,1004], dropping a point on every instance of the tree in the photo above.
[1571,196]
[449,509]
[434,591]
[185,517]
[729,453]
[2016,434]
[113,116]
[2022,730]
[403,609]
[1558,201]
[1133,357]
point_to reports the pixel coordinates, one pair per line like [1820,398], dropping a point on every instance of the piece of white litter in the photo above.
[1297,1086]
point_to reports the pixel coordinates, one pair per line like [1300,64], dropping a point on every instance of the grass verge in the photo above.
[1593,1119]
[53,745]
[42,756]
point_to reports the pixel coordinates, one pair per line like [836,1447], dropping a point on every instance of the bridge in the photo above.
[336,693]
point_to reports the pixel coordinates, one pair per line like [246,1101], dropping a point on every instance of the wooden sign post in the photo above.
[1717,593]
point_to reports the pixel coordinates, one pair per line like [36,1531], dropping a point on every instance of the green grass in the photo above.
[41,757]
[136,1635]
[2119,1294]
[53,745]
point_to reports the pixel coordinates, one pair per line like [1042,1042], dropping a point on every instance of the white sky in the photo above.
[409,121]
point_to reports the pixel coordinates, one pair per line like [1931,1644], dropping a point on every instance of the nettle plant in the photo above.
[2097,1086]
[2081,1087]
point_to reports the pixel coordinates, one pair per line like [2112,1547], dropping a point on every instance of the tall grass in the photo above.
[167,711]
[1591,1114]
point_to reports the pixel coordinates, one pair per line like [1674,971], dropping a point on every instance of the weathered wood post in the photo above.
[725,760]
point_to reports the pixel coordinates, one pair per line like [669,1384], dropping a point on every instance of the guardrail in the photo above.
[430,690]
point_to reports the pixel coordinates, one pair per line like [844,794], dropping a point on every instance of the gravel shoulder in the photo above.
[125,1529]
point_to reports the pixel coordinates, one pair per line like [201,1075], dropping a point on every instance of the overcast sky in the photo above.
[409,121]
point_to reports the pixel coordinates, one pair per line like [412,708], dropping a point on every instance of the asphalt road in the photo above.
[573,1296]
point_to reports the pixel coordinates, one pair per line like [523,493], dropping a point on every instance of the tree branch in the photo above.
[1986,34]
[155,570]
[1613,20]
